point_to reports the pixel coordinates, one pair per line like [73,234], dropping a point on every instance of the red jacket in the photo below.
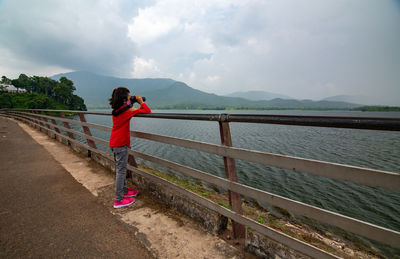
[120,133]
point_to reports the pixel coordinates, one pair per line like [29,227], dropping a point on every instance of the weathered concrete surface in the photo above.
[164,231]
[267,248]
[209,219]
[45,213]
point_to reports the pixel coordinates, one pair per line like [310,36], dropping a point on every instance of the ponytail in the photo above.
[118,97]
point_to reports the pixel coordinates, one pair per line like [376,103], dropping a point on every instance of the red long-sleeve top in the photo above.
[121,126]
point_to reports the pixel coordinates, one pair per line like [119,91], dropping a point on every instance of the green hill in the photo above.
[170,94]
[96,89]
[258,95]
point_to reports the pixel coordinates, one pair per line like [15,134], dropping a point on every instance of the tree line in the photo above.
[41,93]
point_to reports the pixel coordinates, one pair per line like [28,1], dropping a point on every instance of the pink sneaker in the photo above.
[125,202]
[131,193]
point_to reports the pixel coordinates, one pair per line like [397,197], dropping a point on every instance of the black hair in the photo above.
[119,97]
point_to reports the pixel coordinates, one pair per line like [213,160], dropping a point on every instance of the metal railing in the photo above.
[364,176]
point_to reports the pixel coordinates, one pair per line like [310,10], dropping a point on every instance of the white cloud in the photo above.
[149,25]
[213,79]
[12,66]
[145,68]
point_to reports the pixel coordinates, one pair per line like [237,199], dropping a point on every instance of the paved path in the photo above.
[45,213]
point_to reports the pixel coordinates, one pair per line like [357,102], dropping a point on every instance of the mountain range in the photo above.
[164,93]
[259,95]
[361,99]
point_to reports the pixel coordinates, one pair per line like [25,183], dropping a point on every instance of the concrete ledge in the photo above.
[211,220]
[107,163]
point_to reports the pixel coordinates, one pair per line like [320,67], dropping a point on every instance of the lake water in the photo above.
[366,148]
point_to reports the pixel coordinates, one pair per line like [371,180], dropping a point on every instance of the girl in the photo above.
[120,141]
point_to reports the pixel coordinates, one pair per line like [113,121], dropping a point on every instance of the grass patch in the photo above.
[260,220]
[185,184]
[223,204]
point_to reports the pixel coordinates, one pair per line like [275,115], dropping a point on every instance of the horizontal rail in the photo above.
[102,141]
[390,124]
[92,125]
[358,175]
[65,111]
[386,124]
[369,177]
[368,230]
[77,142]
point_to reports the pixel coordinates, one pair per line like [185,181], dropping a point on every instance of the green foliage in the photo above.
[5,80]
[6,101]
[23,81]
[29,101]
[185,184]
[77,103]
[223,204]
[260,220]
[42,93]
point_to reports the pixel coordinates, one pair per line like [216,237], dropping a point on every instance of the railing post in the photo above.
[66,125]
[87,131]
[32,120]
[38,118]
[46,121]
[54,123]
[235,201]
[132,162]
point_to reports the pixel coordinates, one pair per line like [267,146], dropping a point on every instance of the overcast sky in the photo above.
[307,49]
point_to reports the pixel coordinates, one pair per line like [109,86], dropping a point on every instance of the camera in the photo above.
[133,99]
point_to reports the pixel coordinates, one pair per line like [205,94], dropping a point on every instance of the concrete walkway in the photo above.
[45,213]
[56,203]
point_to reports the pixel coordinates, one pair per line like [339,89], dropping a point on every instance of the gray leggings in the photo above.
[121,161]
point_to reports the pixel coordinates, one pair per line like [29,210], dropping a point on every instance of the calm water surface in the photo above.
[365,148]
